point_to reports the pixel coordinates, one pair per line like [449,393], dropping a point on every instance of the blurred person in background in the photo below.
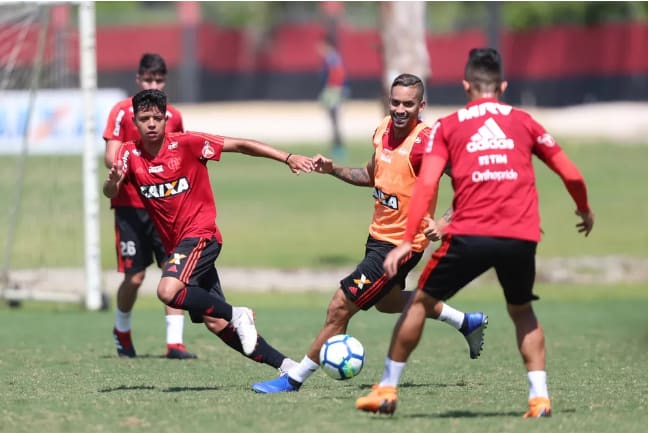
[136,240]
[333,91]
[170,172]
[495,224]
[391,171]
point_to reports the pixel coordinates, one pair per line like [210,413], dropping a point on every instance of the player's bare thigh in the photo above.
[393,301]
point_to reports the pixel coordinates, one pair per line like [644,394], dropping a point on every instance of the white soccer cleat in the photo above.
[243,320]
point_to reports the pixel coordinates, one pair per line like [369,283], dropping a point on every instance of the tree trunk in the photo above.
[403,37]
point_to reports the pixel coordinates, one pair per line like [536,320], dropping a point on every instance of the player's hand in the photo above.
[392,260]
[587,221]
[298,163]
[114,179]
[322,164]
[435,229]
[115,173]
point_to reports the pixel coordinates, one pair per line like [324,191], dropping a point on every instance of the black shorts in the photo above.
[136,240]
[461,259]
[367,284]
[192,262]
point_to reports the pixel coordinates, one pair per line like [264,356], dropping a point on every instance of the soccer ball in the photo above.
[342,357]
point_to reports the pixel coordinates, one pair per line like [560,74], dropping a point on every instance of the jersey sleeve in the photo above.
[544,145]
[205,146]
[425,190]
[418,149]
[176,121]
[437,142]
[114,129]
[572,179]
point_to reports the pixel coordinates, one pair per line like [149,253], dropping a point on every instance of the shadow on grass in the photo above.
[183,389]
[145,356]
[463,413]
[126,388]
[150,387]
[431,385]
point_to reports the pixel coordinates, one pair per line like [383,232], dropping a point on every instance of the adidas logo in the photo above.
[489,137]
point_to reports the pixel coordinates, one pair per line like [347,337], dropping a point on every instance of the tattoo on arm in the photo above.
[355,176]
[448,214]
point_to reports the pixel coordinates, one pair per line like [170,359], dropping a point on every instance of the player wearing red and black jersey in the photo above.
[175,184]
[136,241]
[392,170]
[169,171]
[489,146]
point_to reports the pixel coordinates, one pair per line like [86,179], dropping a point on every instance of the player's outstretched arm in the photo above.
[356,176]
[576,186]
[114,179]
[296,162]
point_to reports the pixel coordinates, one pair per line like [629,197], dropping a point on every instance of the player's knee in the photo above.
[135,280]
[166,294]
[215,325]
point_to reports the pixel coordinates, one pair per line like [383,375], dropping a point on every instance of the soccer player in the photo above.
[495,222]
[333,92]
[169,170]
[136,239]
[391,170]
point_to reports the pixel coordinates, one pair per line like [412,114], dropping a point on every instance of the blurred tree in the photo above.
[403,38]
[441,17]
[527,15]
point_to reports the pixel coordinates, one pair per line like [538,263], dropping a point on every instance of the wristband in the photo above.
[288,157]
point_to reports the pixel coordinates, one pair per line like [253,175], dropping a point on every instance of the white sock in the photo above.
[122,320]
[175,325]
[538,386]
[287,364]
[303,370]
[391,373]
[451,316]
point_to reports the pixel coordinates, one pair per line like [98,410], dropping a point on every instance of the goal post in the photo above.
[88,76]
[55,107]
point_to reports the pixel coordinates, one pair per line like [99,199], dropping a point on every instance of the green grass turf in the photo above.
[272,218]
[59,372]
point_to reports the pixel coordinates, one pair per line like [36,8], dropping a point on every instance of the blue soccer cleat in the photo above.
[473,330]
[281,384]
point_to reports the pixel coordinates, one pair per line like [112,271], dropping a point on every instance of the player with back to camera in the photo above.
[170,172]
[496,224]
[136,240]
[391,170]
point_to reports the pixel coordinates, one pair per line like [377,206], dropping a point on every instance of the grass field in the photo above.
[59,373]
[271,218]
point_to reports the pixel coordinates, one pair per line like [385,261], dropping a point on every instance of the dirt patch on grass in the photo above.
[579,270]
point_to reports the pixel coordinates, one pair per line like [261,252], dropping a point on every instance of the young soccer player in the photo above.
[136,240]
[391,171]
[489,146]
[170,173]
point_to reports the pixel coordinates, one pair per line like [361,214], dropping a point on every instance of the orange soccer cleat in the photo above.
[539,407]
[382,400]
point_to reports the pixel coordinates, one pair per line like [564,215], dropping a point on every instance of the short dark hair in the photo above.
[149,99]
[152,63]
[484,69]
[408,80]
